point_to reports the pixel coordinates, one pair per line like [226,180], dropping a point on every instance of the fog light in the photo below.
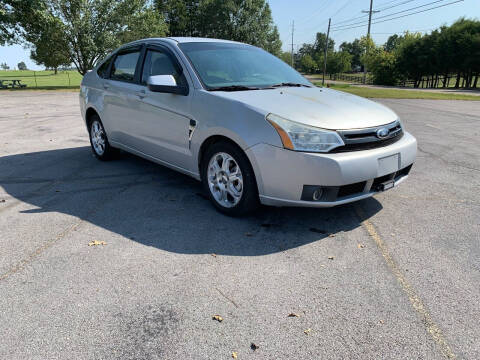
[317,194]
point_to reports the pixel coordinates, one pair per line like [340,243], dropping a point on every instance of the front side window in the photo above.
[158,63]
[229,64]
[103,69]
[123,68]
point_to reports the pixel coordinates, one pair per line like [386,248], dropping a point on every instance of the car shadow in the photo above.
[158,207]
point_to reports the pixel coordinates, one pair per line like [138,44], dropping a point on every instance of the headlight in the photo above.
[300,137]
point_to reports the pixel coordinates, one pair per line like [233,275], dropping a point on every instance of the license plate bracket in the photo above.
[388,164]
[386,185]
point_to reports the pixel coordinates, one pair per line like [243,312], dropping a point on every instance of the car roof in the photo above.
[180,40]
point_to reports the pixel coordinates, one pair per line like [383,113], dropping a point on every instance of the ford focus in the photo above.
[247,125]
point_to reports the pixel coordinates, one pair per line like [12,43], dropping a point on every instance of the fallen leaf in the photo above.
[214,255]
[381,321]
[217,317]
[253,346]
[308,331]
[96,242]
[234,354]
[331,235]
[293,315]
[361,246]
[331,257]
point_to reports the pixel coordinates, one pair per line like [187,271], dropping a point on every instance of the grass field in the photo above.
[70,80]
[44,80]
[399,94]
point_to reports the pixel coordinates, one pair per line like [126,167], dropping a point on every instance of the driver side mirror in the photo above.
[165,84]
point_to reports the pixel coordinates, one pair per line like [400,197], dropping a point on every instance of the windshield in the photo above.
[236,65]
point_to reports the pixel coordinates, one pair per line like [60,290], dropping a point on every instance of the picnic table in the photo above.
[5,84]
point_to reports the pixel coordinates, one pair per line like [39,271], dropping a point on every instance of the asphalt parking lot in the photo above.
[392,277]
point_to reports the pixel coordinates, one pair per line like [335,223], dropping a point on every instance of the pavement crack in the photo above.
[417,304]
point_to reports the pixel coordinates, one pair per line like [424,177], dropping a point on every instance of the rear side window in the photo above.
[103,69]
[123,68]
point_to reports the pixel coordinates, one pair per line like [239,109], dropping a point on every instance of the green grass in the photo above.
[400,94]
[44,80]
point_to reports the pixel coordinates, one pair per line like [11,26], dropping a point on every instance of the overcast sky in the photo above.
[311,16]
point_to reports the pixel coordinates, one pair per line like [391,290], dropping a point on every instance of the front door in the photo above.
[162,125]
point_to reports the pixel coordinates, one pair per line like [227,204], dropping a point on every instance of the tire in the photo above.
[229,180]
[101,148]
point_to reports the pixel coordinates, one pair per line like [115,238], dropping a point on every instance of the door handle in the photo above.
[141,94]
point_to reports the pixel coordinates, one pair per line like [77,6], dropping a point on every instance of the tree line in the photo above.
[448,54]
[62,32]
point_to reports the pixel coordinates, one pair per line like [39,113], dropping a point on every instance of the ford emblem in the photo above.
[382,133]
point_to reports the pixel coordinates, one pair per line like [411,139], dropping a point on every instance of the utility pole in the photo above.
[293,29]
[325,53]
[370,12]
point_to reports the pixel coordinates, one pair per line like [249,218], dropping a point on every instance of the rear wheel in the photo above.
[229,180]
[101,148]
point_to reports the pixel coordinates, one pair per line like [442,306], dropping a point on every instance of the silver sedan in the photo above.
[246,124]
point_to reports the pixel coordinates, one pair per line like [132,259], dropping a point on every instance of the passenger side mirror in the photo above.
[165,84]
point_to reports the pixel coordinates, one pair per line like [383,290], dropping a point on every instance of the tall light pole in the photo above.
[370,12]
[325,53]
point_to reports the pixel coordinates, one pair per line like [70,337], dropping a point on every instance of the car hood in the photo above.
[320,107]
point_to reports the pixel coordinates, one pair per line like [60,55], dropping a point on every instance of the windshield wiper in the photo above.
[285,84]
[234,88]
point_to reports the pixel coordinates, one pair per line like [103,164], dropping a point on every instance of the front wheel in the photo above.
[229,180]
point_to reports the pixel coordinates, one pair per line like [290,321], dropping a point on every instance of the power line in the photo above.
[395,13]
[399,17]
[396,5]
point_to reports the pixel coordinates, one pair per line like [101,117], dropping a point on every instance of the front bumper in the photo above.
[283,174]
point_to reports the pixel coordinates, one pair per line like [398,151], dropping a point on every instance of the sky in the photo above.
[311,16]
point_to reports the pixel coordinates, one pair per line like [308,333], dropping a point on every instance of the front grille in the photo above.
[366,139]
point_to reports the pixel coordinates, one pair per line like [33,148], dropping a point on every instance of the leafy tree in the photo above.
[319,45]
[22,66]
[287,57]
[6,23]
[392,43]
[4,66]
[339,62]
[49,45]
[356,50]
[382,65]
[308,65]
[248,21]
[90,29]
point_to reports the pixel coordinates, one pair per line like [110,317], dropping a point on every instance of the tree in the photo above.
[308,65]
[339,62]
[248,21]
[392,43]
[356,50]
[89,29]
[49,46]
[22,66]
[6,23]
[319,45]
[287,57]
[4,66]
[382,65]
